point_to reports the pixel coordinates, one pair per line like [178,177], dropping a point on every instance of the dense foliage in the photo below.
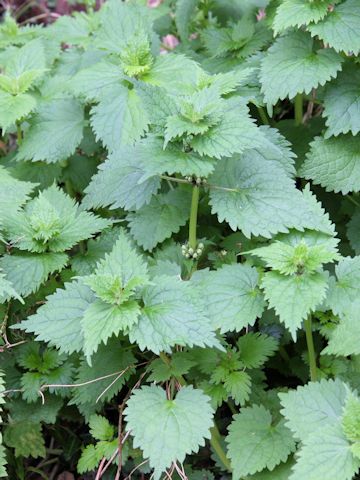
[180,241]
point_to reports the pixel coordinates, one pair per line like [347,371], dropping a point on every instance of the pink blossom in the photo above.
[153,3]
[170,41]
[261,14]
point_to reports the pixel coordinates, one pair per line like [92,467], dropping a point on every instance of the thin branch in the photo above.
[9,345]
[13,390]
[112,383]
[103,467]
[42,397]
[40,17]
[98,474]
[76,385]
[352,199]
[174,179]
[207,185]
[136,468]
[180,472]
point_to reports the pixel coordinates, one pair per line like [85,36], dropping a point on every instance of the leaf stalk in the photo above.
[311,349]
[193,217]
[298,109]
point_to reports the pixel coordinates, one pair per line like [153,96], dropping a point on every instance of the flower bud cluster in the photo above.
[194,253]
[196,180]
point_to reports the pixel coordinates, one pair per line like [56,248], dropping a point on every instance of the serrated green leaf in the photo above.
[334,163]
[294,296]
[238,386]
[101,321]
[30,357]
[123,261]
[119,23]
[321,219]
[51,222]
[62,121]
[100,428]
[275,148]
[342,103]
[31,383]
[183,14]
[28,57]
[119,118]
[74,30]
[345,291]
[157,103]
[281,472]
[291,66]
[120,183]
[13,192]
[175,73]
[6,290]
[240,39]
[255,349]
[351,418]
[344,338]
[14,107]
[162,217]
[97,81]
[58,321]
[298,252]
[171,316]
[254,443]
[235,133]
[320,403]
[339,28]
[22,411]
[324,451]
[178,365]
[85,263]
[257,197]
[168,430]
[232,297]
[89,459]
[295,13]
[28,271]
[171,160]
[26,438]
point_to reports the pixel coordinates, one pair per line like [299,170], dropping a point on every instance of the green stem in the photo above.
[19,133]
[216,445]
[193,217]
[311,349]
[263,116]
[164,358]
[298,109]
[69,188]
[232,406]
[352,200]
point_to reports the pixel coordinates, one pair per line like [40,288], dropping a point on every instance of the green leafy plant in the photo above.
[179,241]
